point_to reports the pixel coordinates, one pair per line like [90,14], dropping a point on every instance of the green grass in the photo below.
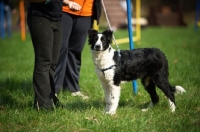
[181,46]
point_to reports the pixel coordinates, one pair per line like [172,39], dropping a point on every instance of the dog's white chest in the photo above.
[102,61]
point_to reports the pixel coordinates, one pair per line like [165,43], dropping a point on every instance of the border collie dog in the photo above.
[113,67]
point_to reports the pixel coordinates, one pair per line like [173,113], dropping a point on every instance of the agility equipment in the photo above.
[22,20]
[131,43]
[137,36]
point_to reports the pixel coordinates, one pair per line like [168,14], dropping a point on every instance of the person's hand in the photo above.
[73,6]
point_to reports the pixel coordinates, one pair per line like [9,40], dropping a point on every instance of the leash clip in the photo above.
[119,52]
[47,1]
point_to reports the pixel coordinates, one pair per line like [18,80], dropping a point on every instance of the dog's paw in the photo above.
[149,107]
[107,107]
[145,110]
[110,112]
[172,106]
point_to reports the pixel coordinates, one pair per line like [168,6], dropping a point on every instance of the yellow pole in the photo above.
[22,20]
[198,23]
[95,26]
[126,40]
[138,29]
[137,37]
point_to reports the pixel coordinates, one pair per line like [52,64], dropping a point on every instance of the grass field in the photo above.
[182,48]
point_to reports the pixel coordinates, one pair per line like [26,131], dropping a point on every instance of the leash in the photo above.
[118,50]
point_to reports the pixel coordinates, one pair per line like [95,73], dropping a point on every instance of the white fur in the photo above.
[99,43]
[179,90]
[104,60]
[172,105]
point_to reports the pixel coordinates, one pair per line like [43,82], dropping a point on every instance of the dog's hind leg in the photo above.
[151,89]
[163,83]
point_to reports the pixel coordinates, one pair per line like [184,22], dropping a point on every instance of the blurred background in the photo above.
[152,13]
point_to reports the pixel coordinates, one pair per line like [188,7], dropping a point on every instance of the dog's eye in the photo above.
[103,40]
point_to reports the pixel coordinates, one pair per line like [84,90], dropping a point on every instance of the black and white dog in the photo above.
[112,68]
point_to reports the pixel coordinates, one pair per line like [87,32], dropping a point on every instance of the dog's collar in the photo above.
[105,69]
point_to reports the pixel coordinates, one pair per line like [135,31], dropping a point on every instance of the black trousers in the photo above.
[75,30]
[46,37]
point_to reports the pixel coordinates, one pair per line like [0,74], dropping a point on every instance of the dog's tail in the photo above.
[179,90]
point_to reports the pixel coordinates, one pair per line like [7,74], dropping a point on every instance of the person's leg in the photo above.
[57,40]
[42,39]
[77,39]
[62,61]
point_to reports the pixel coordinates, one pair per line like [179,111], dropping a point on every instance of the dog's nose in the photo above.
[97,47]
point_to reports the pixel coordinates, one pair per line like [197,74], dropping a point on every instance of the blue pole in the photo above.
[131,43]
[2,32]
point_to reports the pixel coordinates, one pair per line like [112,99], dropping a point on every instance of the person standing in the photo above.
[44,22]
[75,30]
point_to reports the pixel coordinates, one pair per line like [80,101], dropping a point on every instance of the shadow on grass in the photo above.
[83,105]
[15,93]
[18,94]
[132,103]
[78,104]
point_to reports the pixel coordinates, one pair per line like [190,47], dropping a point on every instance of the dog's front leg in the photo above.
[107,93]
[114,99]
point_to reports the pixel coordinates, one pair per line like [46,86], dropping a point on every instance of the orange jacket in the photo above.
[86,8]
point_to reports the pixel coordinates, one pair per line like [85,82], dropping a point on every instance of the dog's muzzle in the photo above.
[97,47]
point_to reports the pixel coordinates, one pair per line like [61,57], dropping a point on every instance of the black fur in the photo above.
[144,63]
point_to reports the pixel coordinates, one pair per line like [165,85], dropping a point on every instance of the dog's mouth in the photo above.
[97,48]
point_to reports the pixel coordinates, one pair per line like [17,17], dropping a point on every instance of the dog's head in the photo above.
[100,41]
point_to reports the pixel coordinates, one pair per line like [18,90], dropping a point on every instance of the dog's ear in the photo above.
[91,35]
[108,34]
[92,32]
